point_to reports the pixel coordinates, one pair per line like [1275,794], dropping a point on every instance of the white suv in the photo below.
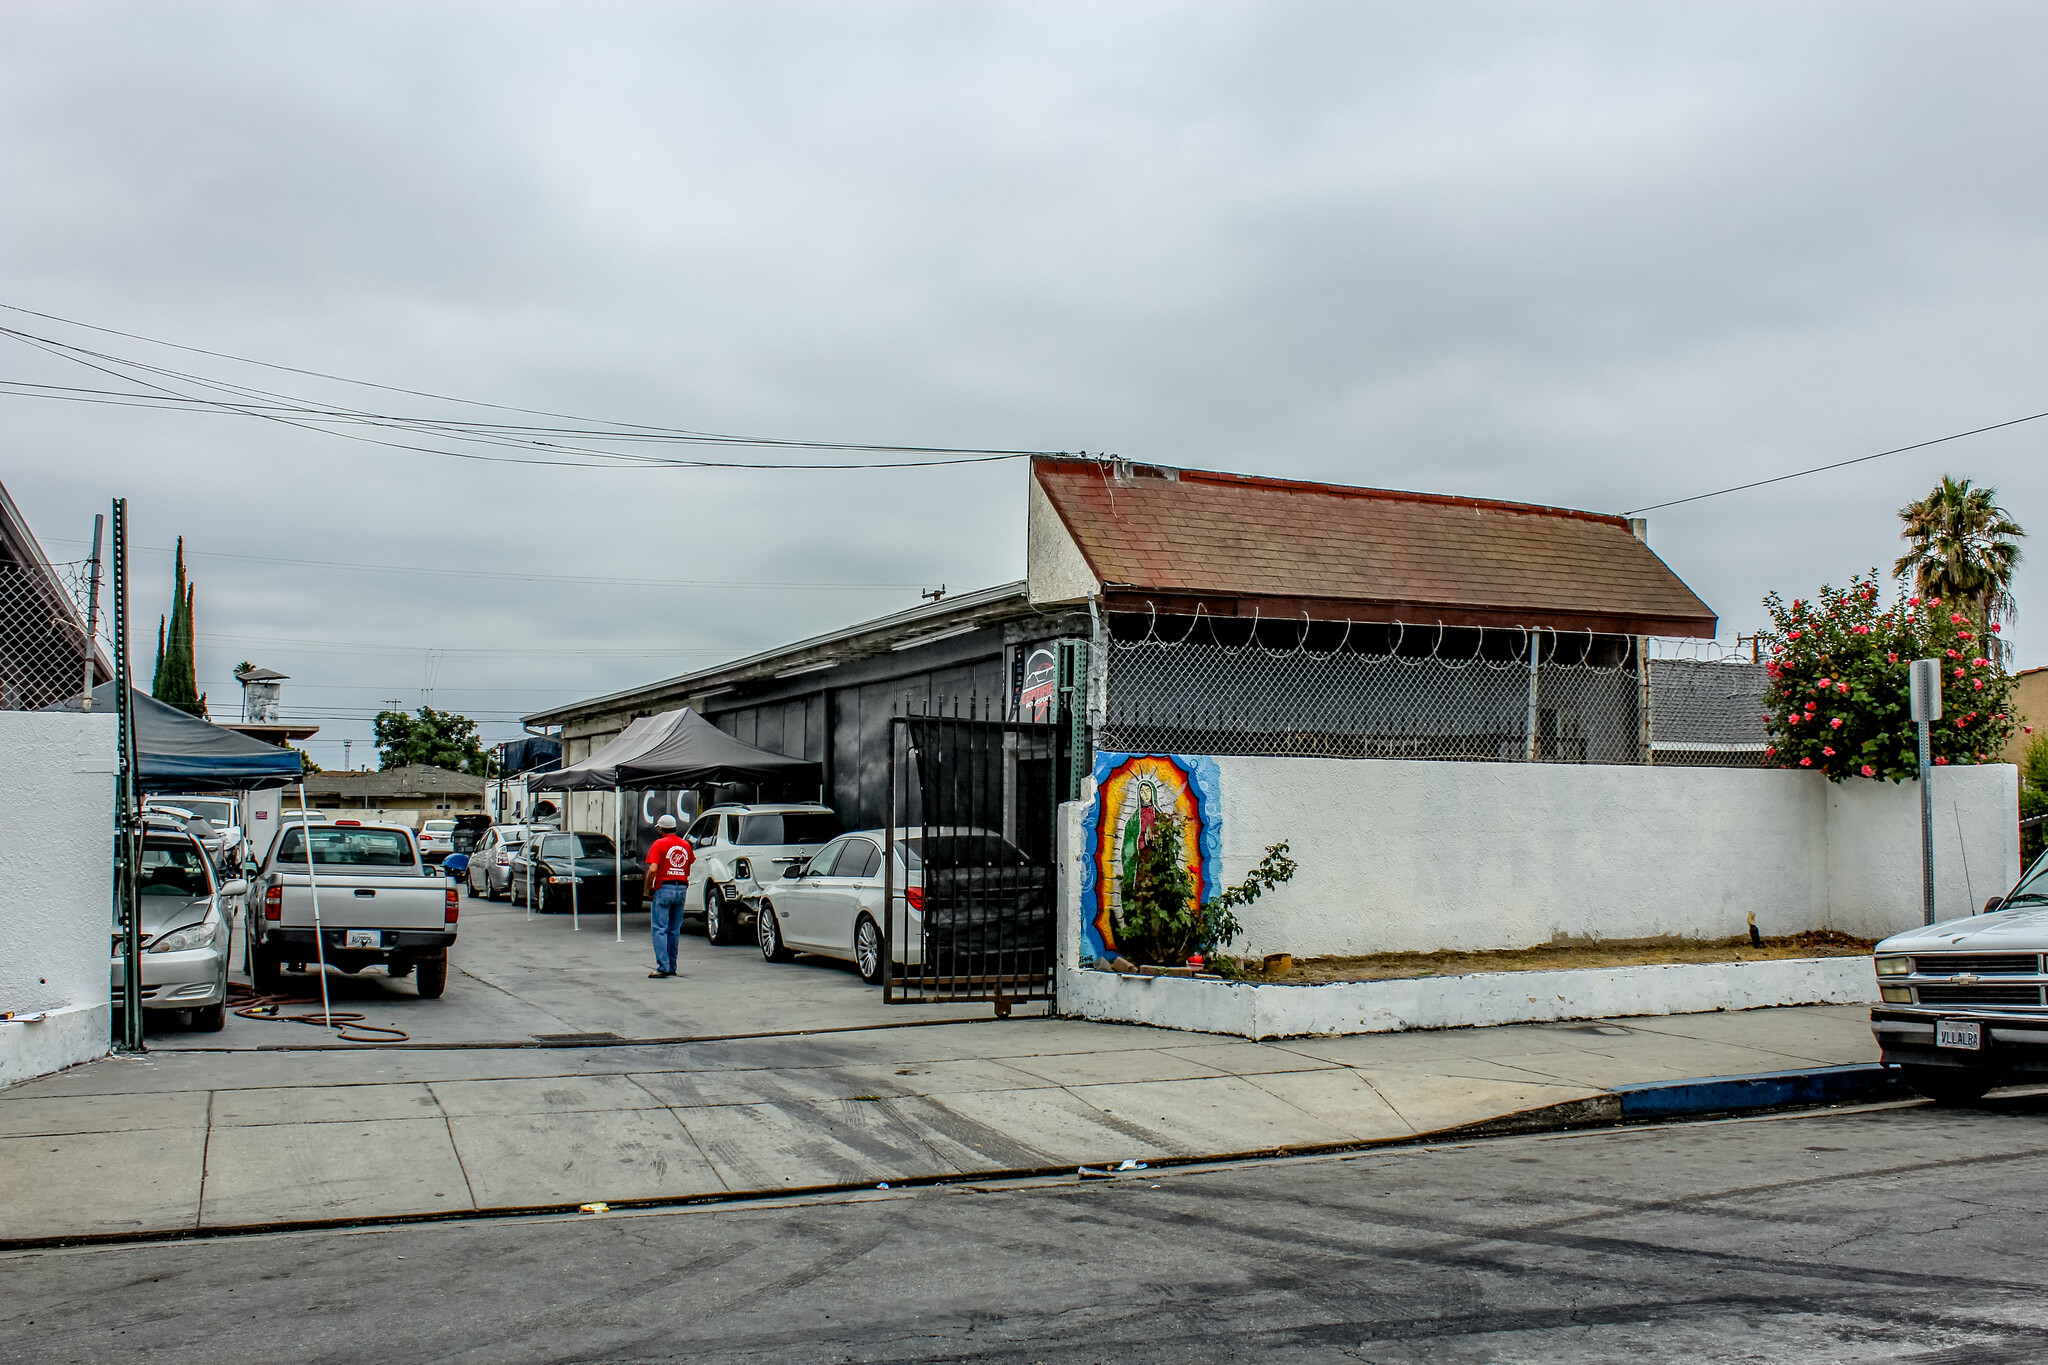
[742,850]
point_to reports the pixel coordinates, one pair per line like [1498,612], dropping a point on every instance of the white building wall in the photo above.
[1418,856]
[56,887]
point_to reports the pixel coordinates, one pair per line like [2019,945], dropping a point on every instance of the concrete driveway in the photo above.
[520,977]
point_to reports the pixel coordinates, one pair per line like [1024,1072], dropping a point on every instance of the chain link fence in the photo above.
[1462,697]
[1317,690]
[43,648]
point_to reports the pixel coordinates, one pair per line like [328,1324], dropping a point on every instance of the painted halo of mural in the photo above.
[1131,791]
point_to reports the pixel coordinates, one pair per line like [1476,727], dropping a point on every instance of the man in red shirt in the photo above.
[668,881]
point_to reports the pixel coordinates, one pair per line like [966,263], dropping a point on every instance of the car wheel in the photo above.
[431,975]
[491,893]
[266,973]
[719,919]
[1949,1084]
[214,1018]
[769,934]
[867,950]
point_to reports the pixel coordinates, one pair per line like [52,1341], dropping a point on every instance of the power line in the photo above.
[1838,464]
[511,575]
[613,653]
[253,402]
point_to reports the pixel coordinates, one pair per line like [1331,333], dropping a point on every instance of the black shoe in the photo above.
[654,975]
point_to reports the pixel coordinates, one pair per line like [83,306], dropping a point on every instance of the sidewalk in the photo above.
[180,1141]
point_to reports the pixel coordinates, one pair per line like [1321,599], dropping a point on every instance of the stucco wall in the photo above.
[56,887]
[1417,856]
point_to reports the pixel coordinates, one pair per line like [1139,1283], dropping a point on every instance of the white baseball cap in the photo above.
[665,822]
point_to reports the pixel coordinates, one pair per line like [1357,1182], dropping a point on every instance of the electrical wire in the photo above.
[1838,464]
[290,410]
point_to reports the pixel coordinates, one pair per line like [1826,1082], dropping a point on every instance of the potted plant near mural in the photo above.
[1162,920]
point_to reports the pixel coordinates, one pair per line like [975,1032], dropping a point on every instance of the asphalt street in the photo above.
[1903,1233]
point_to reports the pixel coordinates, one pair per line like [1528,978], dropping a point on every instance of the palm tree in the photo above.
[1962,549]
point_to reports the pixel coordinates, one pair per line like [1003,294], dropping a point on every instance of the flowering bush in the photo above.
[1839,696]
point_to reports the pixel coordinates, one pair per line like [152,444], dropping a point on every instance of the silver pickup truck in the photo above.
[378,906]
[1963,1006]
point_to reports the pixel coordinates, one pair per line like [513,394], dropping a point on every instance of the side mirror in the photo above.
[251,869]
[1993,904]
[237,887]
[798,869]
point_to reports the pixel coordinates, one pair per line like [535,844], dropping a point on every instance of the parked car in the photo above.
[552,867]
[469,832]
[379,905]
[991,902]
[185,912]
[741,849]
[223,838]
[1962,1001]
[490,863]
[437,840]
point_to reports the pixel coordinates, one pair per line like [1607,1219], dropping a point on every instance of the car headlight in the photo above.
[1895,966]
[186,939]
[1896,995]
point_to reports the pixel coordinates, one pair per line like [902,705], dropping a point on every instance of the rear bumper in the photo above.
[2013,1042]
[335,941]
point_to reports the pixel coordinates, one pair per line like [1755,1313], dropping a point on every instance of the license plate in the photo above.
[1959,1033]
[374,938]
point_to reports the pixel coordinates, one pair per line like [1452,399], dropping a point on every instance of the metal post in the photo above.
[618,870]
[889,880]
[575,857]
[313,886]
[1529,743]
[1924,706]
[127,834]
[92,604]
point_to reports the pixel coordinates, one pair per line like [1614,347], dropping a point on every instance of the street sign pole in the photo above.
[1924,695]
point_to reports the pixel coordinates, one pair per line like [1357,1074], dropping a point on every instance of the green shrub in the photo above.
[1162,922]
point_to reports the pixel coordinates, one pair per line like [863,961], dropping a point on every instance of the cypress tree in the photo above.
[177,673]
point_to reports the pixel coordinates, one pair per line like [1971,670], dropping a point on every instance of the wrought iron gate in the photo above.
[969,868]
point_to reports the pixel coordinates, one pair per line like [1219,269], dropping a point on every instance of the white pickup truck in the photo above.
[1965,1002]
[378,906]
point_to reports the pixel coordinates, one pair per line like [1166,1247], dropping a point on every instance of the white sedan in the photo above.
[832,905]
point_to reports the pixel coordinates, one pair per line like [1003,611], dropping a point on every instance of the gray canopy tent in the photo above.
[178,752]
[674,749]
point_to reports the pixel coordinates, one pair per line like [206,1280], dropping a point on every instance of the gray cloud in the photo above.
[1597,255]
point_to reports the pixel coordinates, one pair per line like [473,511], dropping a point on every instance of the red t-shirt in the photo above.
[670,858]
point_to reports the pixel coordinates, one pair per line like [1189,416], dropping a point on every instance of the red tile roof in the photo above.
[1237,544]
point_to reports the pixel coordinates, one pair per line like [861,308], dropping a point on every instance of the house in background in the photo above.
[43,651]
[408,795]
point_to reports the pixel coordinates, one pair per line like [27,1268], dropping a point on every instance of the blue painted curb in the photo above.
[1862,1083]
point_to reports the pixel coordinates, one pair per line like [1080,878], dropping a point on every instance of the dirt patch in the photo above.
[1570,953]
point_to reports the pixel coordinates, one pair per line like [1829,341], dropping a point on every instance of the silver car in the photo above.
[185,928]
[490,862]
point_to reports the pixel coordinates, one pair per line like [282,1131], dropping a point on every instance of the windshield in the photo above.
[219,812]
[964,850]
[346,846]
[2033,888]
[174,869]
[588,846]
[788,827]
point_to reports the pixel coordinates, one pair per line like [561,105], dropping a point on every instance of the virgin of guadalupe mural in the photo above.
[1131,798]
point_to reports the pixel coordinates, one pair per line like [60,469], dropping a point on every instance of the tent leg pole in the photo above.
[618,870]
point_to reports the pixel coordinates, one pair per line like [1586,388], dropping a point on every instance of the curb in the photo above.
[1647,1103]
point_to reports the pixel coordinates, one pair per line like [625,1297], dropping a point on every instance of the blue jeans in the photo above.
[666,913]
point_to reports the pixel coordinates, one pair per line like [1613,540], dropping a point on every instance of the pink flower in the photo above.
[1891,658]
[1843,688]
[1994,628]
[1959,673]
[1806,763]
[1912,601]
[1941,762]
[1953,655]
[1791,634]
[1934,601]
[1826,682]
[1955,618]
[1869,771]
[1794,718]
[1979,663]
[1829,752]
[1835,724]
[1978,684]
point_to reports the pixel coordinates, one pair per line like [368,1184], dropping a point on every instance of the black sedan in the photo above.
[552,867]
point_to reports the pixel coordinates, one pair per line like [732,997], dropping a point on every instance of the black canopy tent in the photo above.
[177,752]
[676,749]
[673,749]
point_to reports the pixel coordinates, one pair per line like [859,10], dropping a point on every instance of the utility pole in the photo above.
[127,816]
[1924,700]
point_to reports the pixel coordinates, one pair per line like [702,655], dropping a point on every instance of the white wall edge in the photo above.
[1279,1010]
[66,1036]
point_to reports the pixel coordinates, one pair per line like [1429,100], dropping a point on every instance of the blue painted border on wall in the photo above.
[1205,777]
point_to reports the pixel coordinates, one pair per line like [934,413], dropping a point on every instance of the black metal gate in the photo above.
[969,871]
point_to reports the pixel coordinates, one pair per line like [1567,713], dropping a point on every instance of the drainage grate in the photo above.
[576,1038]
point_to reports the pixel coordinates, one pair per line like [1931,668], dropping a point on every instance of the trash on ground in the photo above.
[594,1208]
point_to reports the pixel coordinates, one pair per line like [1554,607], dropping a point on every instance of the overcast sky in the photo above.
[1596,255]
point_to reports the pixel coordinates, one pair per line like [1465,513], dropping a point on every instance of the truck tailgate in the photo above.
[359,902]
